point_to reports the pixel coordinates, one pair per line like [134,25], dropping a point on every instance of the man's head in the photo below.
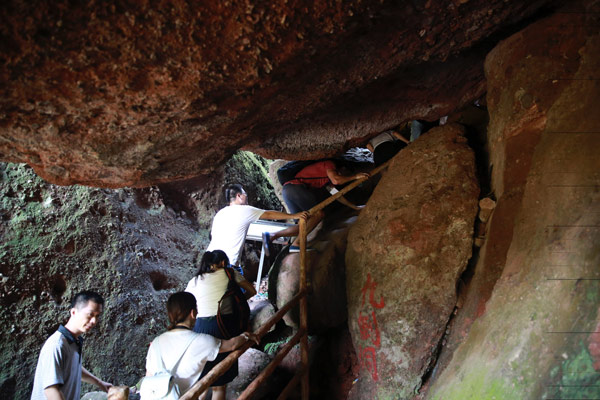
[86,307]
[235,194]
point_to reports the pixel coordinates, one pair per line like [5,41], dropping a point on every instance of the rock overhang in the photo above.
[135,94]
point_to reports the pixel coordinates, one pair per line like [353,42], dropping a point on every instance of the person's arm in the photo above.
[247,286]
[400,137]
[88,377]
[272,214]
[338,179]
[53,393]
[234,343]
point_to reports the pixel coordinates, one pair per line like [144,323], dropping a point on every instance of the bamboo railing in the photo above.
[301,336]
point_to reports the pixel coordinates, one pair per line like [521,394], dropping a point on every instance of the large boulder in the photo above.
[537,335]
[405,253]
[260,312]
[326,274]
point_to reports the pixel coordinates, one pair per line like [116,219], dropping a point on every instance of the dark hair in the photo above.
[232,190]
[82,298]
[179,306]
[211,258]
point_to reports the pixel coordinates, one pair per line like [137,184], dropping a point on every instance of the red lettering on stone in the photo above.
[368,328]
[368,360]
[370,287]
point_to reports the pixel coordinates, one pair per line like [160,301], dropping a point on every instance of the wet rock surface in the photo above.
[134,94]
[405,254]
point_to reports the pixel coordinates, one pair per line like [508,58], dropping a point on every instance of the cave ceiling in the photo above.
[135,93]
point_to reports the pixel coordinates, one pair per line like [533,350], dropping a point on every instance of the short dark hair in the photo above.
[233,190]
[82,298]
[211,258]
[179,306]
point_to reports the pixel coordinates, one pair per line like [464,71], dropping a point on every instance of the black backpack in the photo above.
[239,305]
[288,171]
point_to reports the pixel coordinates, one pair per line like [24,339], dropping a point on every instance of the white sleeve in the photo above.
[206,348]
[253,214]
[150,360]
[237,276]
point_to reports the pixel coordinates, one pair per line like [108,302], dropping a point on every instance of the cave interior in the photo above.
[471,273]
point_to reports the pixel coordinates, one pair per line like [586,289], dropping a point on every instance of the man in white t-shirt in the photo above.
[231,223]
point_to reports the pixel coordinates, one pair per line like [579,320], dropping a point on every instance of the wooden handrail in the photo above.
[265,373]
[199,387]
[302,336]
[346,189]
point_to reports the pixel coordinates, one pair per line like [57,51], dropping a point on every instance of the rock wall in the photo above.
[404,257]
[537,335]
[141,93]
[134,246]
[56,241]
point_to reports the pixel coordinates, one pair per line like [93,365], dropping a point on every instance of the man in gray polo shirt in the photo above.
[59,370]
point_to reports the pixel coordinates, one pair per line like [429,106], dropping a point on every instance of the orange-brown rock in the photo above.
[138,93]
[404,257]
[535,335]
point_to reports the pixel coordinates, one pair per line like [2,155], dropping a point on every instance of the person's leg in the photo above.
[219,392]
[310,225]
[209,326]
[298,198]
[416,128]
[291,231]
[287,232]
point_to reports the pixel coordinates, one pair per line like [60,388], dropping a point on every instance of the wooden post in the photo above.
[303,312]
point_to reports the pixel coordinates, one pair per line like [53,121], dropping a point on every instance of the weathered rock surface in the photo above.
[141,93]
[405,254]
[536,337]
[325,265]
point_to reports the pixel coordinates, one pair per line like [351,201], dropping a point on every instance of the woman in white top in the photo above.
[181,343]
[386,145]
[208,286]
